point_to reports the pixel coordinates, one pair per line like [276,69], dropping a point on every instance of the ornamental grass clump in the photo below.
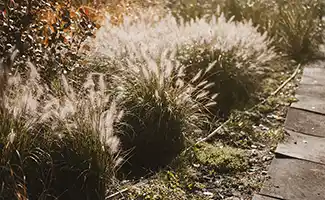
[56,146]
[161,110]
[237,51]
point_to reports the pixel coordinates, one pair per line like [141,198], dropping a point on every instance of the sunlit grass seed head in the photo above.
[91,110]
[21,96]
[221,35]
[29,100]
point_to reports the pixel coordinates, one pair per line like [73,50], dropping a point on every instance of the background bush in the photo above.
[295,26]
[46,32]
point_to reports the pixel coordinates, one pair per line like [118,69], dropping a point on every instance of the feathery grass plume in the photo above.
[220,34]
[117,42]
[58,146]
[18,114]
[217,33]
[160,109]
[91,111]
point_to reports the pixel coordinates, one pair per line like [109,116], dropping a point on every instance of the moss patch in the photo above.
[168,185]
[222,159]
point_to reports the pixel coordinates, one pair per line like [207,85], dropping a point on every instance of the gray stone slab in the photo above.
[310,103]
[310,80]
[295,179]
[311,91]
[316,91]
[315,64]
[306,122]
[261,197]
[314,73]
[303,146]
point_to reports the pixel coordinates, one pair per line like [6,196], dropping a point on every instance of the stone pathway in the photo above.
[298,170]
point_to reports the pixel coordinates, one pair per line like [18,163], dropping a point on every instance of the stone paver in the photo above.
[261,197]
[294,179]
[298,170]
[305,122]
[301,146]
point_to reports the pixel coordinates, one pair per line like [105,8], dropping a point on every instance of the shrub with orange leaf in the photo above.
[65,22]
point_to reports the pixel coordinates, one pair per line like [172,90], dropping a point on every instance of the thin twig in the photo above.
[272,94]
[287,81]
[213,132]
[120,192]
[117,193]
